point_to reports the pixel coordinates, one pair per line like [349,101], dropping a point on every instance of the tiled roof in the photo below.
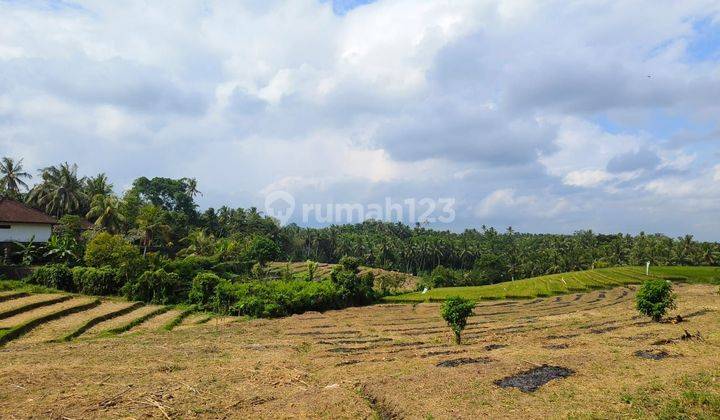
[16,212]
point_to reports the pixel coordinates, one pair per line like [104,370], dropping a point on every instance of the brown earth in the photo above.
[386,361]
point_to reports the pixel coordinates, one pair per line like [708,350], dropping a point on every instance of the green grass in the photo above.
[555,284]
[21,286]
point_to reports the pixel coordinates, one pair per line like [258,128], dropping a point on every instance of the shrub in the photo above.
[157,286]
[654,298]
[269,299]
[106,250]
[56,276]
[455,311]
[312,268]
[202,291]
[443,277]
[189,267]
[233,267]
[96,281]
[109,250]
[355,289]
[263,249]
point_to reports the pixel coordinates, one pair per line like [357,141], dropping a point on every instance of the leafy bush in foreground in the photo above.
[56,276]
[202,291]
[96,281]
[455,311]
[654,298]
[156,287]
[355,289]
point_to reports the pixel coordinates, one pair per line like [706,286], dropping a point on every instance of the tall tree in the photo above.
[151,225]
[105,212]
[98,184]
[11,176]
[60,192]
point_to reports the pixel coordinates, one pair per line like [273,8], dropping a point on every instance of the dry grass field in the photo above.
[383,361]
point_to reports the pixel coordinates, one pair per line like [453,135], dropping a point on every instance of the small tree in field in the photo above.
[654,298]
[455,311]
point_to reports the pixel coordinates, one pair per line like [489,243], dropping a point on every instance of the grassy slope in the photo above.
[565,283]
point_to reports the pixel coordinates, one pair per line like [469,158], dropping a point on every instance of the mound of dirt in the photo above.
[463,361]
[531,380]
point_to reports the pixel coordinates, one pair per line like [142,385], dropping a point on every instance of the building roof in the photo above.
[12,211]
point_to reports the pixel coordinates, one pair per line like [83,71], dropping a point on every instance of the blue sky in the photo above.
[548,116]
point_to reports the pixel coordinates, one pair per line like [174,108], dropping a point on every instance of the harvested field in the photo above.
[156,323]
[40,311]
[59,328]
[7,308]
[121,320]
[389,360]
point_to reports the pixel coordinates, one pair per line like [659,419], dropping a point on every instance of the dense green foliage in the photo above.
[153,243]
[55,276]
[202,291]
[157,286]
[455,311]
[96,281]
[654,298]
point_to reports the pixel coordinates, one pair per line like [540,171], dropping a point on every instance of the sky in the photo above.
[549,116]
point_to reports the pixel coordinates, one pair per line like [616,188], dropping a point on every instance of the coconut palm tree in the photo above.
[191,187]
[105,212]
[98,185]
[151,225]
[12,175]
[60,192]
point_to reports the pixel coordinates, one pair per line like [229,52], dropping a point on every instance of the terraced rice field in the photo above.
[47,317]
[575,355]
[555,284]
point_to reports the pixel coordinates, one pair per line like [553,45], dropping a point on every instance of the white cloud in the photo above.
[503,104]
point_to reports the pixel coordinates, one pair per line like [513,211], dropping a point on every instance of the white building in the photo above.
[20,223]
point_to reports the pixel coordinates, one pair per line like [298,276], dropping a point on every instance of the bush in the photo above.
[189,267]
[355,289]
[443,277]
[263,249]
[109,250]
[106,250]
[654,298]
[157,287]
[233,267]
[202,291]
[269,299]
[96,281]
[56,276]
[455,311]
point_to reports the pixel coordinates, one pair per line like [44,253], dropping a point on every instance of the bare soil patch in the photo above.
[531,380]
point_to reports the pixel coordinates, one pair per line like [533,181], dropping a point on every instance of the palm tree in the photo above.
[98,185]
[12,175]
[151,225]
[105,211]
[191,187]
[199,242]
[61,191]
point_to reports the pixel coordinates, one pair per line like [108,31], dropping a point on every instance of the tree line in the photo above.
[160,216]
